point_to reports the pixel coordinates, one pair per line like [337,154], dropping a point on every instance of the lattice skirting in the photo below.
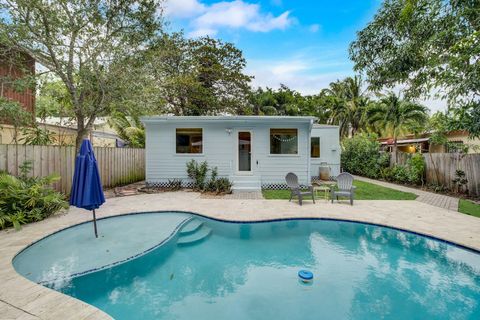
[167,184]
[274,186]
[189,184]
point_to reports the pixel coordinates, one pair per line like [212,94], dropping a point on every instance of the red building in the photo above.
[15,66]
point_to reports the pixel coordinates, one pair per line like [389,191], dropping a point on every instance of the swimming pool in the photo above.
[209,269]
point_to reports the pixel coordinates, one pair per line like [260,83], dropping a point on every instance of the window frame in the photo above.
[282,154]
[319,147]
[188,153]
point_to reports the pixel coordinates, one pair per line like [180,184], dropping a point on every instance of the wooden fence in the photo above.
[441,167]
[117,166]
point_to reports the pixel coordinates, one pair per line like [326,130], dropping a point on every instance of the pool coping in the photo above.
[70,305]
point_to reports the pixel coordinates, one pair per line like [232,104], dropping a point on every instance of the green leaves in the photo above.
[24,200]
[85,44]
[395,116]
[430,47]
[361,155]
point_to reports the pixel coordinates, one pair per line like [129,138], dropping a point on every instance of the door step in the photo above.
[246,183]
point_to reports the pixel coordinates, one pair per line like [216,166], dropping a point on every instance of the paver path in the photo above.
[434,199]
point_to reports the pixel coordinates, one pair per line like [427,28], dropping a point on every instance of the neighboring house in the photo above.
[254,152]
[15,66]
[64,132]
[458,142]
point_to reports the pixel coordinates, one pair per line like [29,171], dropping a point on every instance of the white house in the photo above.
[254,152]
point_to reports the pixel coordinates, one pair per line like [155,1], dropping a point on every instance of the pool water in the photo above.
[250,271]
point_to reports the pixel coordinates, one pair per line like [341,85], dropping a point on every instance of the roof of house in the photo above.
[324,126]
[156,119]
[404,141]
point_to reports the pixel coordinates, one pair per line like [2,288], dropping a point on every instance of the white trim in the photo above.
[238,119]
[237,160]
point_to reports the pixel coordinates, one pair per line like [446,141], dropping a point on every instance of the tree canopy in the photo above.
[195,76]
[428,47]
[80,42]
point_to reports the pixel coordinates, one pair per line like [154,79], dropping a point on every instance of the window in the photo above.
[315,147]
[189,140]
[283,141]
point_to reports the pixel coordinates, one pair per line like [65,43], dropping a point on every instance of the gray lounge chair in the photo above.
[296,190]
[345,187]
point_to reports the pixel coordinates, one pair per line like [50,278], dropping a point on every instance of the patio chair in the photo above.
[345,187]
[295,189]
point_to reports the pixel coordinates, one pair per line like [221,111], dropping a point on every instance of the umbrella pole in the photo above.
[95,223]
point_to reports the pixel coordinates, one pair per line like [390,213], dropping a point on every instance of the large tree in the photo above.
[426,46]
[347,102]
[195,76]
[397,116]
[82,42]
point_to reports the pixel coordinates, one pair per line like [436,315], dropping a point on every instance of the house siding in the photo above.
[219,150]
[9,72]
[329,150]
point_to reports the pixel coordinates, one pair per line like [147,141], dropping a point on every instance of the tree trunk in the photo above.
[394,151]
[82,132]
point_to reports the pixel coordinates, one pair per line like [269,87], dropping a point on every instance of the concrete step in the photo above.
[190,227]
[246,183]
[196,237]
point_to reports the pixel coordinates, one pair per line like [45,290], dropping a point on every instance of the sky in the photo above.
[302,44]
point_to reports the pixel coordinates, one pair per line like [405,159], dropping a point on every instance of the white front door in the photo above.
[244,152]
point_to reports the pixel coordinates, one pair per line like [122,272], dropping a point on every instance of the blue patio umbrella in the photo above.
[87,192]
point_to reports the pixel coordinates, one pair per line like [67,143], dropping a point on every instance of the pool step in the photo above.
[190,227]
[200,234]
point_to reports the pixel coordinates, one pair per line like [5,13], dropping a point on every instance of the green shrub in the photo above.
[24,200]
[361,155]
[416,169]
[199,172]
[400,174]
[460,181]
[174,184]
[223,185]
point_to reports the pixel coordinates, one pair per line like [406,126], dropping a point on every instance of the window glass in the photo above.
[315,147]
[283,141]
[189,140]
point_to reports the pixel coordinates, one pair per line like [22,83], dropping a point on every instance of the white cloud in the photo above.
[202,33]
[314,28]
[298,73]
[183,8]
[236,15]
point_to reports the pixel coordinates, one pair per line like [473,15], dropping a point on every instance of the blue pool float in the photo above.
[305,275]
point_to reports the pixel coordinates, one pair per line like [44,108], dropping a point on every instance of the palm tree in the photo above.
[348,103]
[396,116]
[129,128]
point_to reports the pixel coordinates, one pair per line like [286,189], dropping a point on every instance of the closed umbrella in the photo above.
[87,192]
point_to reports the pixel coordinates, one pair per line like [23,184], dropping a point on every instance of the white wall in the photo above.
[329,149]
[219,149]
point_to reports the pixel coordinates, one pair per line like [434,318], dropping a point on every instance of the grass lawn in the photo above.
[469,207]
[364,191]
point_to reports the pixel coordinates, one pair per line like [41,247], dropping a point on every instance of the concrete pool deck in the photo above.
[23,299]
